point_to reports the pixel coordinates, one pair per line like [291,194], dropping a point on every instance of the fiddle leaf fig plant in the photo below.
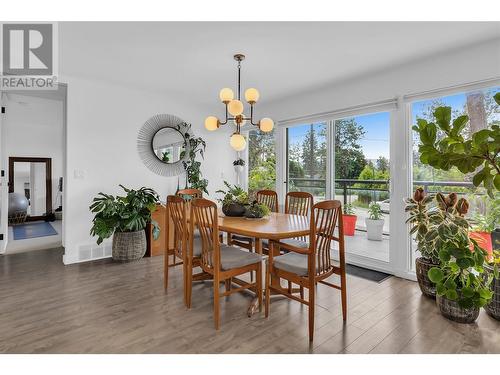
[478,154]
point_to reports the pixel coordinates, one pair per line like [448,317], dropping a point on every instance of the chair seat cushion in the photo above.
[294,242]
[292,262]
[237,237]
[232,257]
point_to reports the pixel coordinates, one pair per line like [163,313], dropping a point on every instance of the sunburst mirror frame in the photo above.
[145,144]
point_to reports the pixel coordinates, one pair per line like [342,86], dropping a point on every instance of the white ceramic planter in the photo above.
[374,229]
[239,168]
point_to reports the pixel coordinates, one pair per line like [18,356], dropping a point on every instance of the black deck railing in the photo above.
[347,186]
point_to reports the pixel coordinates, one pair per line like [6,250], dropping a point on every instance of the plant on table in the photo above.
[257,210]
[118,215]
[234,201]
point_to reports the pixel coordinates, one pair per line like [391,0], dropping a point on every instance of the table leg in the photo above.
[254,305]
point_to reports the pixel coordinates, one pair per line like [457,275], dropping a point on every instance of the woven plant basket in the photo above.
[422,266]
[493,308]
[18,217]
[129,246]
[451,310]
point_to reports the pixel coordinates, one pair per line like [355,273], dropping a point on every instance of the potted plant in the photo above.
[234,201]
[239,165]
[374,222]
[192,166]
[125,218]
[481,231]
[423,220]
[257,211]
[462,286]
[349,220]
[493,307]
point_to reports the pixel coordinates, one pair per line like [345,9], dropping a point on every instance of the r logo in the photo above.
[27,49]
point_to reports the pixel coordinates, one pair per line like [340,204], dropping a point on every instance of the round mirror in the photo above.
[169,145]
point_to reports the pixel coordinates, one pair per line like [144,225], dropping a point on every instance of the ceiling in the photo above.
[194,59]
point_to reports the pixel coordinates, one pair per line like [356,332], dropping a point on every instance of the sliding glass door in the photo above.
[306,160]
[347,159]
[362,174]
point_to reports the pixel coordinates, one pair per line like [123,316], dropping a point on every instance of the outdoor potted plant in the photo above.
[257,210]
[234,201]
[239,165]
[462,286]
[422,220]
[125,218]
[374,222]
[349,220]
[484,231]
[481,231]
[493,307]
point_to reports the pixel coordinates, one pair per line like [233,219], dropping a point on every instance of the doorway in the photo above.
[347,158]
[32,156]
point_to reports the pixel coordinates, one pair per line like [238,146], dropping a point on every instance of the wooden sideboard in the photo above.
[156,247]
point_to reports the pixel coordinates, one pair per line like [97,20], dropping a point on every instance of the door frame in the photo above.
[397,192]
[48,181]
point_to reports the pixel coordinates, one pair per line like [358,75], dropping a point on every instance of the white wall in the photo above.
[103,121]
[474,63]
[33,127]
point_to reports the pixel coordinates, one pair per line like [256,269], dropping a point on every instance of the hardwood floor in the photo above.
[106,307]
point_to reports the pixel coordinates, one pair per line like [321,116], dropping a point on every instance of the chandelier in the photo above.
[235,108]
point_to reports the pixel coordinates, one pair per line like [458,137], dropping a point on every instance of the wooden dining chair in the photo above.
[269,198]
[183,240]
[189,194]
[221,261]
[311,264]
[176,215]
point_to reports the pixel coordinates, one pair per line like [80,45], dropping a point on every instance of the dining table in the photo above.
[273,227]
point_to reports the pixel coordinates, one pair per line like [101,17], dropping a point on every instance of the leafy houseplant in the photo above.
[125,218]
[374,222]
[462,286]
[257,210]
[192,166]
[493,307]
[423,220]
[349,220]
[238,165]
[234,201]
[479,155]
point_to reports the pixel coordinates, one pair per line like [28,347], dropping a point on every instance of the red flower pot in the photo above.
[483,239]
[349,224]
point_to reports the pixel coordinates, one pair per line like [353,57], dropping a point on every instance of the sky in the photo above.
[375,142]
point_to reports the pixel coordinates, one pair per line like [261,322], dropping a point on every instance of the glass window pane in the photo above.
[261,161]
[306,159]
[483,112]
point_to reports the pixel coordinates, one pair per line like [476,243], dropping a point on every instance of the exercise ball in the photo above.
[17,203]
